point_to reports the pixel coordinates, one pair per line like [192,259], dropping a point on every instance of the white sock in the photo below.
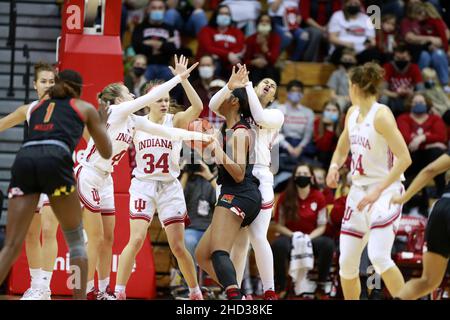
[90,286]
[102,284]
[46,278]
[119,288]
[35,276]
[195,290]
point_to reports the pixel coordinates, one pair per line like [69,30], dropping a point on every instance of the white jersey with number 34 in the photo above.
[157,158]
[372,159]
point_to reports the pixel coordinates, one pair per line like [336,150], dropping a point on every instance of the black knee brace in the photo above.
[225,271]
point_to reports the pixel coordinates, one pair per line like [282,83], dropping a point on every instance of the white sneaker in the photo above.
[36,294]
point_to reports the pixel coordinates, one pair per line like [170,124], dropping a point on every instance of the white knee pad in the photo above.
[381,262]
[349,266]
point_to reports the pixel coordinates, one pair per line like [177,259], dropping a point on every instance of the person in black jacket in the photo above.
[156,40]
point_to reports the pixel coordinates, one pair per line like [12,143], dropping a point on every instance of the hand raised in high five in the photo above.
[181,67]
[238,79]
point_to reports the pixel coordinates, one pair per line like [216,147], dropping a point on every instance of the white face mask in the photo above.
[206,72]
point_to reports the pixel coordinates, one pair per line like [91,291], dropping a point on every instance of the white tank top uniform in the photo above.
[94,180]
[155,185]
[371,163]
[43,198]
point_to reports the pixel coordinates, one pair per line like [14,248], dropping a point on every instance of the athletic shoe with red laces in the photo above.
[92,295]
[234,294]
[107,295]
[270,295]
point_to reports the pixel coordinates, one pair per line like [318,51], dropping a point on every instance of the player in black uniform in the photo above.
[239,201]
[437,234]
[44,165]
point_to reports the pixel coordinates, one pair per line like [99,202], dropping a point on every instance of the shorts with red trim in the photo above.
[96,190]
[43,201]
[265,178]
[244,201]
[380,214]
[166,198]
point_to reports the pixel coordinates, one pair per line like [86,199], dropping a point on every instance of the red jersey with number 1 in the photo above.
[372,160]
[157,158]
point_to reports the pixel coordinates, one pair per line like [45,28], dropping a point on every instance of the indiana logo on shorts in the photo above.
[63,191]
[95,195]
[140,205]
[228,198]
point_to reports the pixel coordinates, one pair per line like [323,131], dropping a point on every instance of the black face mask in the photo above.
[138,71]
[429,84]
[347,65]
[352,9]
[401,64]
[302,181]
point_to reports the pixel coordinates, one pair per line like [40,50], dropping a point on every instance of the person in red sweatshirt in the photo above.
[221,40]
[262,51]
[327,129]
[426,137]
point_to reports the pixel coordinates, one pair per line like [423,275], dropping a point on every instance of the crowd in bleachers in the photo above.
[410,39]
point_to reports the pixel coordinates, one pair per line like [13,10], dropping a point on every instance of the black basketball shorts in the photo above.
[437,234]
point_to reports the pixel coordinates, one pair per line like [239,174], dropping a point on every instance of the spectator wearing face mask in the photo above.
[327,129]
[301,208]
[386,37]
[206,86]
[434,92]
[426,137]
[402,78]
[135,78]
[338,81]
[320,175]
[222,41]
[350,28]
[262,51]
[297,130]
[156,40]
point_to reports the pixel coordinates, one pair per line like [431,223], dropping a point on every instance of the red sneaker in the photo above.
[270,295]
[92,295]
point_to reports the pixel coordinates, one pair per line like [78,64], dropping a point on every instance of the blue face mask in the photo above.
[223,20]
[295,97]
[330,116]
[157,15]
[419,108]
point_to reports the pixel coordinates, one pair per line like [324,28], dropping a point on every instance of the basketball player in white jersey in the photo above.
[266,123]
[379,159]
[41,258]
[94,180]
[155,187]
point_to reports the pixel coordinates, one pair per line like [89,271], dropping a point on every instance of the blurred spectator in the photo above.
[156,40]
[402,78]
[172,16]
[301,208]
[426,35]
[386,37]
[297,130]
[262,51]
[426,137]
[199,185]
[221,40]
[315,15]
[434,92]
[134,80]
[338,81]
[197,19]
[287,19]
[394,7]
[244,13]
[206,86]
[320,178]
[351,28]
[1,207]
[327,129]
